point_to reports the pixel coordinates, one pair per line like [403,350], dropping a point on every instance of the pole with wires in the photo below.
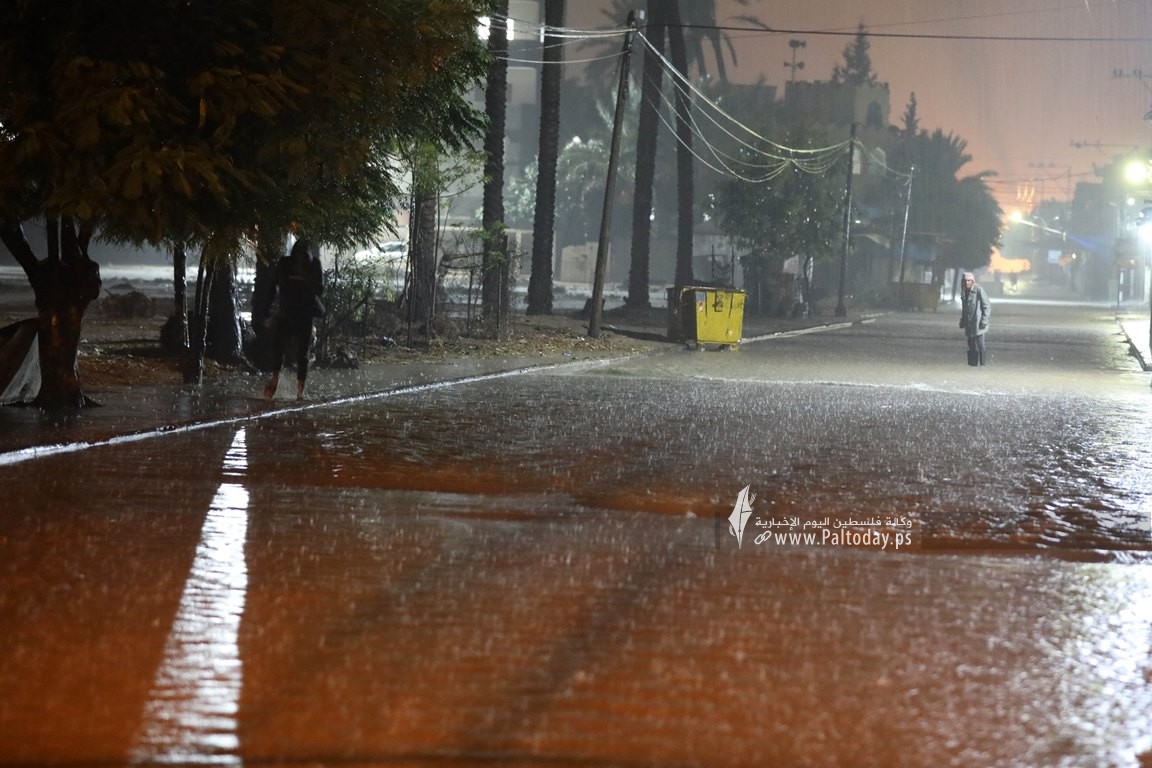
[841,310]
[634,17]
[904,233]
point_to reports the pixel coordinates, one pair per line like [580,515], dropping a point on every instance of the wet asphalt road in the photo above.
[538,569]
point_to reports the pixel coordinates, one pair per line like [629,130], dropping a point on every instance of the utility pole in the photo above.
[634,17]
[904,233]
[841,310]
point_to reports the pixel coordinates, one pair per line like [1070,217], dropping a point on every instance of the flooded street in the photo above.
[538,570]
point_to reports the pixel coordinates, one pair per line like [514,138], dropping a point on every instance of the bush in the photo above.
[350,296]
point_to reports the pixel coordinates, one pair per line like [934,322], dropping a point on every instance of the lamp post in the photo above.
[795,65]
[1138,175]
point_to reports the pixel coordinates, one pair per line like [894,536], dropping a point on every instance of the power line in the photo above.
[814,161]
[921,35]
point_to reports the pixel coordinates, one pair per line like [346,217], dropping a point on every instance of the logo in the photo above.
[883,532]
[740,514]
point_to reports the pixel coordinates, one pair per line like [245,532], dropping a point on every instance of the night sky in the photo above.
[1021,105]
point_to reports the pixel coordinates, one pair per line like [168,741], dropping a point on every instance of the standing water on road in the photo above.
[538,569]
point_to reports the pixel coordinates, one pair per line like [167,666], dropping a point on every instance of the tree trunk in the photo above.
[686,216]
[422,298]
[647,131]
[197,327]
[495,261]
[269,251]
[223,340]
[64,284]
[180,293]
[544,219]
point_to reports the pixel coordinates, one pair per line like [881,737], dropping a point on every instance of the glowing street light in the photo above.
[1137,172]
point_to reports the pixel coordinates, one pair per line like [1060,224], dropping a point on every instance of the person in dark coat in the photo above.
[975,313]
[299,284]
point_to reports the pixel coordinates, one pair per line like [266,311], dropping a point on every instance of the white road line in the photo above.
[43,451]
[192,709]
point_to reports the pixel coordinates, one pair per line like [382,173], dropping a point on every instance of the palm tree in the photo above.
[700,28]
[688,25]
[685,217]
[959,214]
[544,219]
[494,271]
[648,131]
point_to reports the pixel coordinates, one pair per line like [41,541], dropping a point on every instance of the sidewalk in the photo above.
[133,412]
[1136,330]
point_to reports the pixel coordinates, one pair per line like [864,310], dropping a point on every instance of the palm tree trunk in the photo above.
[686,217]
[544,219]
[647,131]
[493,277]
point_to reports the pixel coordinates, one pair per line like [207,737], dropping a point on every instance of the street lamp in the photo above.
[1138,177]
[1138,172]
[795,65]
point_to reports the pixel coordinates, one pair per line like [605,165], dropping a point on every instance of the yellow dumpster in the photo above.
[703,315]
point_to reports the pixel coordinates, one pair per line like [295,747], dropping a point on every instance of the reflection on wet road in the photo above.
[538,570]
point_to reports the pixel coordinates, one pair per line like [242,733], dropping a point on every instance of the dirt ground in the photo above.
[121,347]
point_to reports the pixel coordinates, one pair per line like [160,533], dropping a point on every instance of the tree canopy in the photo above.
[174,121]
[857,66]
[959,213]
[209,122]
[794,213]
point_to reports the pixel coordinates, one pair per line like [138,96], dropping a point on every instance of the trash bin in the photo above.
[702,315]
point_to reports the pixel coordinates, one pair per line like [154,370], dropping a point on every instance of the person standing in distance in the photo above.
[299,284]
[975,312]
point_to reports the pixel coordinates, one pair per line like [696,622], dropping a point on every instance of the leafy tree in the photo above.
[798,212]
[958,214]
[857,66]
[207,124]
[911,120]
[977,224]
[435,177]
[421,293]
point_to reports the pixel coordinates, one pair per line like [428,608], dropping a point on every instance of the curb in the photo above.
[829,326]
[1136,332]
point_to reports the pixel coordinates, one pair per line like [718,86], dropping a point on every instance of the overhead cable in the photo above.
[789,152]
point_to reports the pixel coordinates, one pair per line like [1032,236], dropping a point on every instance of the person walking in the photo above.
[975,312]
[298,286]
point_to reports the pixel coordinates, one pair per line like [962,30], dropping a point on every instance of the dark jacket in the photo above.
[299,284]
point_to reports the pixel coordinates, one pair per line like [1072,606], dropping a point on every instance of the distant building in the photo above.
[832,104]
